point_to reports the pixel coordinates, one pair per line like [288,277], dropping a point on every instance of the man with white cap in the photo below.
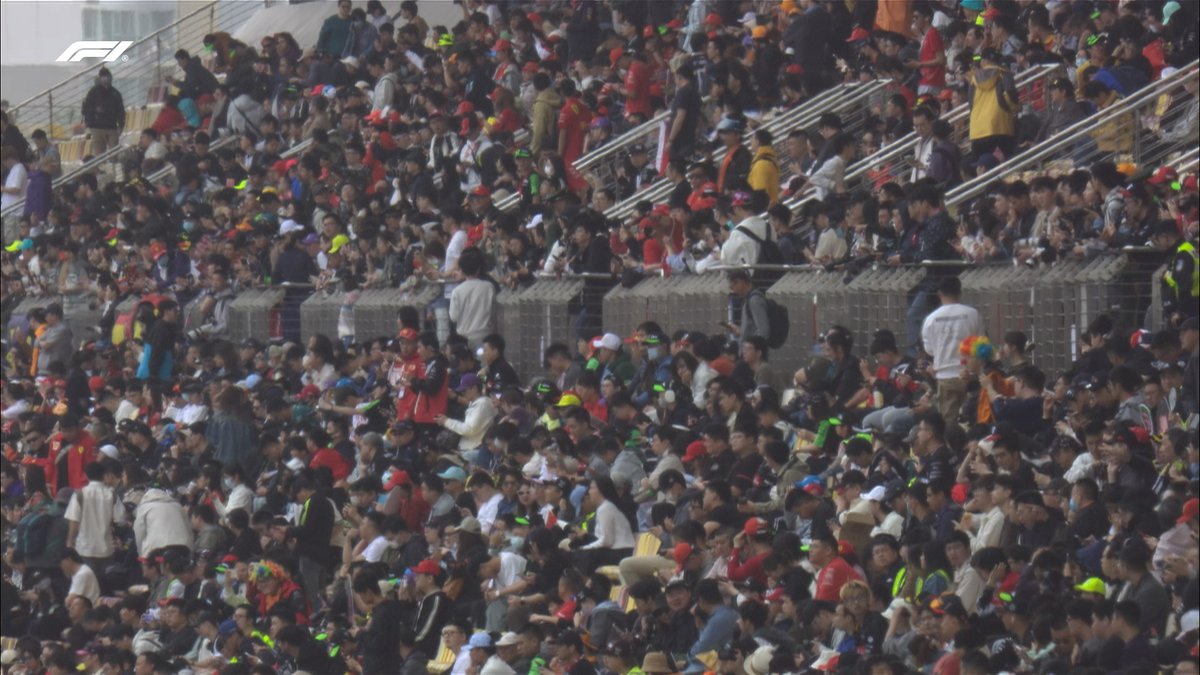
[484,658]
[610,359]
[93,510]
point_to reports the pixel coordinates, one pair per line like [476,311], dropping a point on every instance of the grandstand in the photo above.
[607,337]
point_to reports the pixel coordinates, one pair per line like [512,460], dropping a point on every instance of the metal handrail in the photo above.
[834,98]
[1075,132]
[141,66]
[92,164]
[908,143]
[1188,160]
[625,140]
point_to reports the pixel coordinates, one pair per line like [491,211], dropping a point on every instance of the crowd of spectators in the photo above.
[669,501]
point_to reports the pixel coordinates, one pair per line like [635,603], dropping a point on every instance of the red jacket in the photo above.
[832,577]
[77,455]
[338,465]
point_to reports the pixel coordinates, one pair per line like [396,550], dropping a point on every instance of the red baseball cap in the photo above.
[858,35]
[1191,509]
[755,526]
[681,554]
[427,566]
[464,108]
[481,191]
[1164,174]
[408,334]
[501,45]
[695,450]
[398,478]
[530,67]
[713,19]
[309,391]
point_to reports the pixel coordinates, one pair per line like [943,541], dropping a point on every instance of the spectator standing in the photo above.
[685,115]
[91,514]
[16,177]
[942,333]
[993,107]
[104,113]
[335,31]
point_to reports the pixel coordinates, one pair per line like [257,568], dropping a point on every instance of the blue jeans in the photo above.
[919,308]
[891,420]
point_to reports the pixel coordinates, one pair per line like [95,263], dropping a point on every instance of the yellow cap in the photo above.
[338,242]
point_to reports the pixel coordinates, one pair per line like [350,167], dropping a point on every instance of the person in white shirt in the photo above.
[504,576]
[478,417]
[90,515]
[471,301]
[83,580]
[372,543]
[829,178]
[16,180]
[487,500]
[742,246]
[968,585]
[614,535]
[881,499]
[241,496]
[942,332]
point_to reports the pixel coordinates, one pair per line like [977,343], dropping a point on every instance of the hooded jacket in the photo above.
[545,117]
[990,116]
[160,521]
[764,173]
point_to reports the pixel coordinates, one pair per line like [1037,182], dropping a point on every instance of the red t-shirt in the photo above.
[832,577]
[637,84]
[653,252]
[573,120]
[338,466]
[751,568]
[597,409]
[931,46]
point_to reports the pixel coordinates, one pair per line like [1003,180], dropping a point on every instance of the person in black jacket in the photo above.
[312,535]
[104,113]
[378,639]
[158,355]
[294,266]
[197,80]
[590,255]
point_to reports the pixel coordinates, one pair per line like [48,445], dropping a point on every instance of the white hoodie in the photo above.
[160,521]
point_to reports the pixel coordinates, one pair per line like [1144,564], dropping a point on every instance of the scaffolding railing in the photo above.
[1143,130]
[895,160]
[847,100]
[146,63]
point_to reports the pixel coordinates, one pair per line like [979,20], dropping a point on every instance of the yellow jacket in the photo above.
[988,115]
[764,173]
[1115,135]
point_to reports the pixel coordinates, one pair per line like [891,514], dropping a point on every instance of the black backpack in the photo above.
[777,322]
[769,253]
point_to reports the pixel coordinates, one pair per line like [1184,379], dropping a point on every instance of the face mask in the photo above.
[1080,60]
[227,483]
[387,477]
[188,226]
[220,578]
[652,353]
[515,541]
[1073,505]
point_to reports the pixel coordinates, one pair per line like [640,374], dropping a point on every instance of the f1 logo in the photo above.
[109,50]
